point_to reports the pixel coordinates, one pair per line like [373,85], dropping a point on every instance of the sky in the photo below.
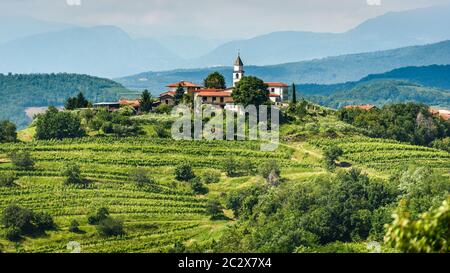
[211,18]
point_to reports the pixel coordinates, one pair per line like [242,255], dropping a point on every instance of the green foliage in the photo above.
[7,179]
[251,91]
[179,93]
[118,123]
[214,209]
[211,177]
[13,234]
[146,101]
[231,167]
[442,144]
[77,102]
[58,125]
[163,109]
[294,94]
[215,80]
[74,226]
[96,217]
[197,186]
[184,172]
[428,234]
[161,131]
[270,171]
[22,221]
[141,178]
[110,227]
[22,159]
[72,175]
[7,131]
[332,154]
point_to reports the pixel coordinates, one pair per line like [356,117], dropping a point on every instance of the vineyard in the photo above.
[155,218]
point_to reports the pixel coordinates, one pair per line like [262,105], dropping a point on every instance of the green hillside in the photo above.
[380,92]
[19,92]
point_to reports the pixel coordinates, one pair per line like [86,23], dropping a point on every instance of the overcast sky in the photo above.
[212,18]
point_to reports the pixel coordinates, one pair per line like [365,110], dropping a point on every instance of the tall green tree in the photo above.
[58,125]
[294,94]
[215,80]
[146,101]
[251,91]
[179,93]
[79,101]
[7,131]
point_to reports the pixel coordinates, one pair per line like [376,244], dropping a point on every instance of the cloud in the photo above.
[73,2]
[374,2]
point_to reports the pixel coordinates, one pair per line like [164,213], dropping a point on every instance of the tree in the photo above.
[95,217]
[23,221]
[7,180]
[211,177]
[294,94]
[215,80]
[332,154]
[7,131]
[58,125]
[428,234]
[22,159]
[73,175]
[79,101]
[184,172]
[214,209]
[197,186]
[140,177]
[270,171]
[146,101]
[230,167]
[74,226]
[179,93]
[110,227]
[251,91]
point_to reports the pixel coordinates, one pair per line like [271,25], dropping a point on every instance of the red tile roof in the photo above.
[274,95]
[209,90]
[214,94]
[132,103]
[276,84]
[444,114]
[183,84]
[169,93]
[362,107]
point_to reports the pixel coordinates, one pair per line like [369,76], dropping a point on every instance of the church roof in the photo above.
[238,61]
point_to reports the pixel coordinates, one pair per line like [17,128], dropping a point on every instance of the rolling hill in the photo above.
[20,92]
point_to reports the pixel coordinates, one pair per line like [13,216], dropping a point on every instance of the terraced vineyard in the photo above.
[154,217]
[387,155]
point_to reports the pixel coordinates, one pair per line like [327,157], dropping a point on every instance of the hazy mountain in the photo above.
[12,28]
[106,51]
[329,70]
[189,47]
[384,91]
[392,30]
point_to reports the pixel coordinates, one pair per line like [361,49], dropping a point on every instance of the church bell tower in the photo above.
[238,70]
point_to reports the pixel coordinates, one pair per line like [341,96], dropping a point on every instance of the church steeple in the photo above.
[238,72]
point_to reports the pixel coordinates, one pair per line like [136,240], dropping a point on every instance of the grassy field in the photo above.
[157,216]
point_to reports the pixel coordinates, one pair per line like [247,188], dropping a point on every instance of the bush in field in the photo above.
[110,227]
[231,167]
[270,171]
[101,214]
[332,154]
[211,177]
[184,172]
[140,177]
[161,132]
[7,131]
[13,234]
[26,222]
[74,226]
[73,175]
[7,179]
[428,234]
[163,109]
[197,186]
[442,144]
[22,159]
[214,209]
[58,125]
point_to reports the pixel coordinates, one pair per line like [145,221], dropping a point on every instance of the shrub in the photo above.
[270,169]
[442,144]
[161,131]
[7,179]
[58,125]
[184,172]
[110,227]
[13,234]
[331,155]
[26,221]
[230,167]
[214,209]
[7,131]
[198,187]
[73,175]
[74,226]
[211,177]
[96,217]
[163,109]
[140,177]
[22,159]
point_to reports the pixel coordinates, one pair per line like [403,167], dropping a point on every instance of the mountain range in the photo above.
[33,46]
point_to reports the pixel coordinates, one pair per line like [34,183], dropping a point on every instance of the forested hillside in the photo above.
[19,92]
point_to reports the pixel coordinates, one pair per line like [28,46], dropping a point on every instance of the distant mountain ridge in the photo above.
[331,70]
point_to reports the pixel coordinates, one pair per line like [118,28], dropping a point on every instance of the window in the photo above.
[214,99]
[272,90]
[237,75]
[167,101]
[222,100]
[205,99]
